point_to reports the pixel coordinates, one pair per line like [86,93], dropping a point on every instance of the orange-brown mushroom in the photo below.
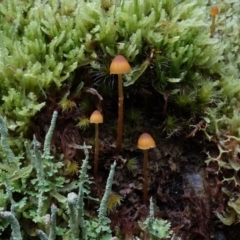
[145,142]
[214,12]
[120,66]
[96,118]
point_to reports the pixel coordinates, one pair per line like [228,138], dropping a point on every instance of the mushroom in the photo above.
[120,66]
[145,142]
[214,12]
[96,118]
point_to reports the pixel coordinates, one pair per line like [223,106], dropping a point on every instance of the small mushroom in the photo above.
[96,118]
[120,66]
[214,12]
[145,142]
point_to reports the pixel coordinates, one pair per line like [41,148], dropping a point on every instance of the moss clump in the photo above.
[44,42]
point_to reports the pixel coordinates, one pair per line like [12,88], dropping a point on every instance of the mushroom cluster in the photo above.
[120,66]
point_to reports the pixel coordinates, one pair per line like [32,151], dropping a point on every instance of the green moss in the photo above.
[44,42]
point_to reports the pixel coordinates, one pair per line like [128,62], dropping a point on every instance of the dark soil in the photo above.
[181,188]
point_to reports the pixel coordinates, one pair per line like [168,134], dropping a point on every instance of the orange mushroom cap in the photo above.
[214,11]
[145,141]
[120,65]
[96,117]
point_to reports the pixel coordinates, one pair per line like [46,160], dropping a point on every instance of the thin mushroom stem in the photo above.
[213,26]
[96,150]
[120,114]
[145,177]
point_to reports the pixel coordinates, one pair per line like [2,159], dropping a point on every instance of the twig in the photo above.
[197,128]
